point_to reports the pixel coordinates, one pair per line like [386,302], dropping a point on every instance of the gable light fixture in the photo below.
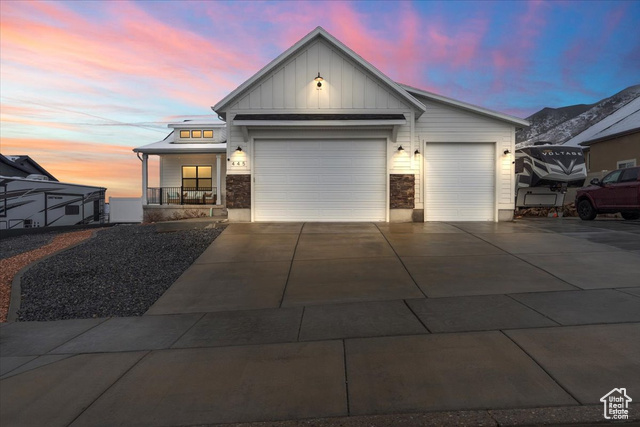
[318,80]
[415,153]
[400,149]
[507,151]
[239,149]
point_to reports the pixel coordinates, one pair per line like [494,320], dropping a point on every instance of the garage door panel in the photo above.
[459,182]
[325,180]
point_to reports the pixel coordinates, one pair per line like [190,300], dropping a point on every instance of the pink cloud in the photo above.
[154,53]
[86,163]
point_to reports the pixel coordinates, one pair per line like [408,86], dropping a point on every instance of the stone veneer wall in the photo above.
[402,191]
[238,191]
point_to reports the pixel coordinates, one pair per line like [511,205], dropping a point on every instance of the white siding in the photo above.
[346,85]
[441,123]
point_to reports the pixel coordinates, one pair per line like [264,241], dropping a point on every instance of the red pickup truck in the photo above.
[619,191]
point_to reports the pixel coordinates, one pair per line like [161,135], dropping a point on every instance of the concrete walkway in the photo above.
[297,321]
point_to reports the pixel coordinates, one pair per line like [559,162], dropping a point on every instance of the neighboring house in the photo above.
[192,169]
[614,142]
[319,134]
[22,166]
[617,146]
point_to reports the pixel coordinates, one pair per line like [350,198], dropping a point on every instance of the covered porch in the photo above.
[191,173]
[185,179]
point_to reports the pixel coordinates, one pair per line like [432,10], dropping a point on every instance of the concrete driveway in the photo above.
[297,321]
[253,266]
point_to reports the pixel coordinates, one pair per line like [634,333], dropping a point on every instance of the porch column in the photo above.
[145,177]
[218,179]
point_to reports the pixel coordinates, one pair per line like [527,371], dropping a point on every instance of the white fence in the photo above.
[125,209]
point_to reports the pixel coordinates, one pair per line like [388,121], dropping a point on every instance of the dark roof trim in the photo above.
[608,137]
[309,117]
[31,167]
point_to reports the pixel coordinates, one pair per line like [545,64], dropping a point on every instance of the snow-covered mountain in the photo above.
[558,125]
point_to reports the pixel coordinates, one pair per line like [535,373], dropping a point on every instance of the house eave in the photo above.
[197,125]
[590,142]
[468,107]
[181,150]
[319,123]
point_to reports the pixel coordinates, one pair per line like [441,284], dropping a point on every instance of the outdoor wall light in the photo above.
[415,153]
[319,80]
[239,149]
[507,151]
[400,149]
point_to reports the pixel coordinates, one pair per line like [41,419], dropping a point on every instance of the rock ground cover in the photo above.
[13,246]
[121,272]
[18,252]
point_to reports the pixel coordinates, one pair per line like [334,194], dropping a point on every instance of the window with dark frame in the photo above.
[197,177]
[196,133]
[72,210]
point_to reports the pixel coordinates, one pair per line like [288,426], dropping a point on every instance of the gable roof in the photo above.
[321,33]
[26,165]
[466,106]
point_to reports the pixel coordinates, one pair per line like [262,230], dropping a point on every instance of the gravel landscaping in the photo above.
[13,246]
[120,272]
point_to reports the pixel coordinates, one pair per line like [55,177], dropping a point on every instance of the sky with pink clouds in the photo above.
[82,83]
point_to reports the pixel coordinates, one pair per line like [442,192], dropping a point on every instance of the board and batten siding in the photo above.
[290,88]
[346,85]
[171,167]
[441,123]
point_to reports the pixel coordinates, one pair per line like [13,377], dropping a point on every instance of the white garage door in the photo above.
[320,180]
[460,182]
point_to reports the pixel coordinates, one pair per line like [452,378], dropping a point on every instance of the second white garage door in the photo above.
[460,182]
[320,180]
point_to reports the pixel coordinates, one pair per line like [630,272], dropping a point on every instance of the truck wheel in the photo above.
[586,211]
[630,215]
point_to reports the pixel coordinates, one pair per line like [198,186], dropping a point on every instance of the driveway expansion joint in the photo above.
[543,368]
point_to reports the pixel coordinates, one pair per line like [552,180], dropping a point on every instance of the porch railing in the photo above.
[181,196]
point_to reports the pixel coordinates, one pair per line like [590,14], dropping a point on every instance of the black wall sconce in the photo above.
[507,151]
[239,149]
[319,80]
[415,153]
[400,149]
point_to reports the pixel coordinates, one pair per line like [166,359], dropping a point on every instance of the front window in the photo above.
[197,177]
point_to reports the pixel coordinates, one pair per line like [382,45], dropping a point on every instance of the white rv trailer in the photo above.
[36,202]
[544,172]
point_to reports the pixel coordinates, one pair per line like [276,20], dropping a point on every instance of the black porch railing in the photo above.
[181,196]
